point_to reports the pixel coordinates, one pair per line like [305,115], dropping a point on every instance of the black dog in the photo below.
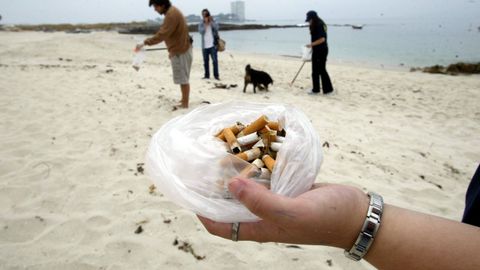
[257,78]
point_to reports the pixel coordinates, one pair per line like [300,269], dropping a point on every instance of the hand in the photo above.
[309,45]
[326,215]
[139,47]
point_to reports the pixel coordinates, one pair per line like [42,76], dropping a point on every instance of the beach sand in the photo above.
[76,120]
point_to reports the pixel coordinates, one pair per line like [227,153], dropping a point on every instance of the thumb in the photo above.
[262,202]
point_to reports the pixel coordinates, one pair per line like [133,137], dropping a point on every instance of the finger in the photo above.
[248,231]
[216,228]
[262,202]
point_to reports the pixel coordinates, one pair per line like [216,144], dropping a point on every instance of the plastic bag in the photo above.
[306,53]
[138,59]
[187,162]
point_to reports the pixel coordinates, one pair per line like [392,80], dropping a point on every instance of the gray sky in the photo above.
[91,11]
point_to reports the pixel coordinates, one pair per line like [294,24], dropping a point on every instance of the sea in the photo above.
[383,43]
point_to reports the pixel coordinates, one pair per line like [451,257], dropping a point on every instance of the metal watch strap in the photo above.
[369,228]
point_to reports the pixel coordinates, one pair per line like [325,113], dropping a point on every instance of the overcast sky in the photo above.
[91,11]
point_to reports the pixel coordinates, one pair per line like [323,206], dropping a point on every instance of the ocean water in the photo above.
[392,43]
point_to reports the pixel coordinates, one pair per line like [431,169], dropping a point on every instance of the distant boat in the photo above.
[357,26]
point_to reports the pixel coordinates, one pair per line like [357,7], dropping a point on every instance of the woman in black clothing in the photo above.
[318,32]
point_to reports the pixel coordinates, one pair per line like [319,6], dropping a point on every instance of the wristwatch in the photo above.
[369,228]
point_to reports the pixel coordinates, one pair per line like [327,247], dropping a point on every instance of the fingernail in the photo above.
[235,186]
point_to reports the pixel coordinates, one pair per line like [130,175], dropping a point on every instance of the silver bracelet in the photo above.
[369,228]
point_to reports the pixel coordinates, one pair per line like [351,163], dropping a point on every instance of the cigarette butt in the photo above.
[250,172]
[265,174]
[231,140]
[255,126]
[249,139]
[260,144]
[264,130]
[258,163]
[268,134]
[274,125]
[272,136]
[235,129]
[226,193]
[280,139]
[275,146]
[249,146]
[250,155]
[269,162]
[222,189]
[269,137]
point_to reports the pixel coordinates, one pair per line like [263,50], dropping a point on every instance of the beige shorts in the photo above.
[181,66]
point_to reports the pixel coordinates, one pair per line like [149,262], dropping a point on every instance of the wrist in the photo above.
[369,229]
[355,220]
[346,218]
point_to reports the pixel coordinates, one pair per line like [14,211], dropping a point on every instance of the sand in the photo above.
[76,120]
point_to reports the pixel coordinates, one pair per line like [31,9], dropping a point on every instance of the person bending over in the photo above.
[174,32]
[319,45]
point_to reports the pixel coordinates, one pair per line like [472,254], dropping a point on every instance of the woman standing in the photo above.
[208,29]
[318,32]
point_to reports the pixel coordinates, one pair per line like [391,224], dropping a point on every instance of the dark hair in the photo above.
[206,10]
[165,3]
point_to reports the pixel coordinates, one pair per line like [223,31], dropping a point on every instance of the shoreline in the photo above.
[141,30]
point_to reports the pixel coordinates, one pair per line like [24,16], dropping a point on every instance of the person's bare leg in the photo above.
[185,94]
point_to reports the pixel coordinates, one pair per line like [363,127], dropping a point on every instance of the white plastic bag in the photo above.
[138,59]
[186,161]
[306,53]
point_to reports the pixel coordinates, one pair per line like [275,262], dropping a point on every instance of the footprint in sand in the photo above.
[98,222]
[18,230]
[67,233]
[13,196]
[118,247]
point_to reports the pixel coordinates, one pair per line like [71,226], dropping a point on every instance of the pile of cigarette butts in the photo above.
[258,144]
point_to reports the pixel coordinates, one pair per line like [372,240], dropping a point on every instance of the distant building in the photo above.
[238,10]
